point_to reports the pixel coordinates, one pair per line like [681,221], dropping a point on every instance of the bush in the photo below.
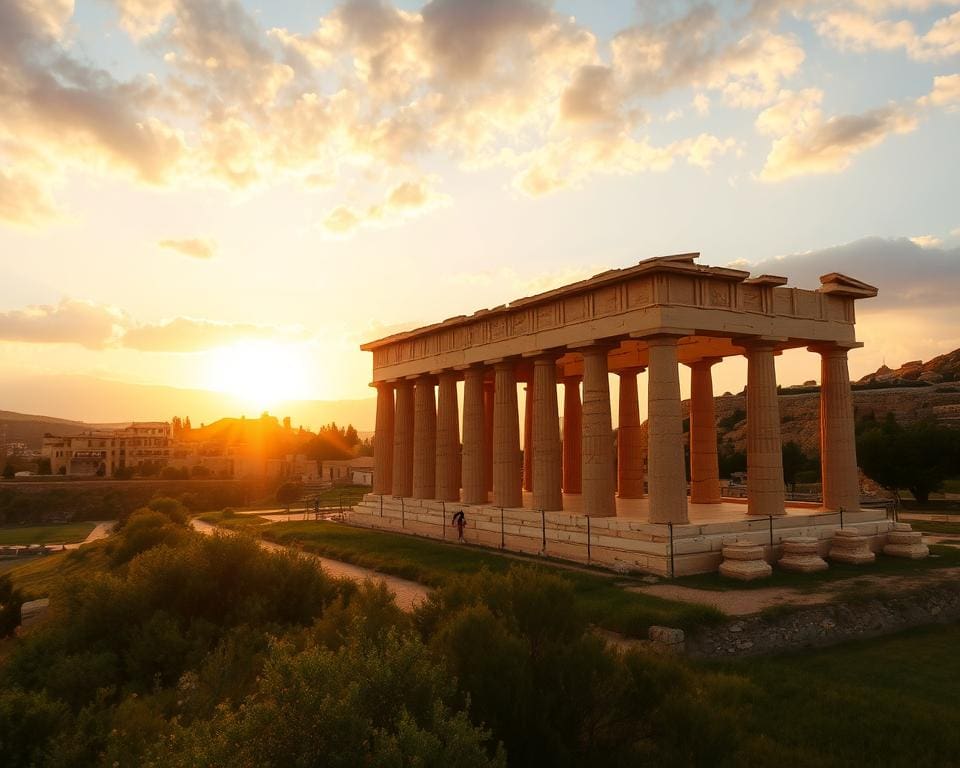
[11,600]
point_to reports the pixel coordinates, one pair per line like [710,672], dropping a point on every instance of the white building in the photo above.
[102,452]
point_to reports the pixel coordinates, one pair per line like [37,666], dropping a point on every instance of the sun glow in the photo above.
[261,373]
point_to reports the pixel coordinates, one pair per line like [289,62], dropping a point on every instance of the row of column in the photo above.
[418,450]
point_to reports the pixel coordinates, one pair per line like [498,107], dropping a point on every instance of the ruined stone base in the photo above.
[800,554]
[622,544]
[744,561]
[851,547]
[903,541]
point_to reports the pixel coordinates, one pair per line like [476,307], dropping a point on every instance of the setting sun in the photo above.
[262,373]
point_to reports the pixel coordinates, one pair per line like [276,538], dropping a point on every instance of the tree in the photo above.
[289,493]
[44,467]
[918,456]
[794,462]
[9,472]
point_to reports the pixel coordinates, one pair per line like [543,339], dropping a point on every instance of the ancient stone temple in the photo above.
[573,492]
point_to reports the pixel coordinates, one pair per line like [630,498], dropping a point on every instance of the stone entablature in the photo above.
[709,306]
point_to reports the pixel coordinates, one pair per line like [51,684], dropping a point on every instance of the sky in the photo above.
[233,195]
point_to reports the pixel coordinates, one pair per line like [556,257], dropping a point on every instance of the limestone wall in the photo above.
[616,543]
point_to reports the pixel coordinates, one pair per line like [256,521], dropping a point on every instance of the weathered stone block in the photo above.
[800,554]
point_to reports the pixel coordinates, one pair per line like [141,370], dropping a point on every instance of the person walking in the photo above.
[460,522]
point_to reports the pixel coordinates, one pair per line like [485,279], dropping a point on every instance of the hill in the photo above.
[914,391]
[30,428]
[94,400]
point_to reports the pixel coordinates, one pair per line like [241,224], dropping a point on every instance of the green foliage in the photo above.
[382,701]
[796,462]
[729,422]
[729,459]
[918,456]
[10,601]
[332,443]
[28,721]
[289,493]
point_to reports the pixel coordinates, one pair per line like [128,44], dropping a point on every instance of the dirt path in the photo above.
[408,593]
[749,601]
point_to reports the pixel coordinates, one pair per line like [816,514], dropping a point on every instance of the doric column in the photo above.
[545,443]
[666,473]
[474,454]
[403,441]
[507,468]
[425,440]
[527,437]
[630,477]
[383,440]
[488,434]
[596,445]
[448,439]
[704,469]
[572,427]
[838,447]
[765,494]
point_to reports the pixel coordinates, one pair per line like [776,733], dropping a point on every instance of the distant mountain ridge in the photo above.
[87,400]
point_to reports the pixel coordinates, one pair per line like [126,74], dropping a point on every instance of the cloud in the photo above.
[70,322]
[945,93]
[56,105]
[699,50]
[465,38]
[567,162]
[376,92]
[862,31]
[185,334]
[97,326]
[409,198]
[926,241]
[24,201]
[907,274]
[192,247]
[809,143]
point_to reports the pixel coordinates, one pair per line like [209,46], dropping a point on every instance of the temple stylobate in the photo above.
[646,320]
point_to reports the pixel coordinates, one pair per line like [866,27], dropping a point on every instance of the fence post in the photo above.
[588,540]
[543,529]
[670,526]
[841,518]
[443,506]
[501,529]
[403,514]
[771,534]
[381,505]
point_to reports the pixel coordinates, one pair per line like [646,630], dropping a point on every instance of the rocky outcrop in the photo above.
[945,368]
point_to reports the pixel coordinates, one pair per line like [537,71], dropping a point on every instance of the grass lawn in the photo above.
[932,507]
[36,576]
[881,702]
[929,526]
[66,533]
[347,494]
[431,562]
[940,557]
[234,522]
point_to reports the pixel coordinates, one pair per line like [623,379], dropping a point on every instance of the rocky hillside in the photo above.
[945,368]
[915,391]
